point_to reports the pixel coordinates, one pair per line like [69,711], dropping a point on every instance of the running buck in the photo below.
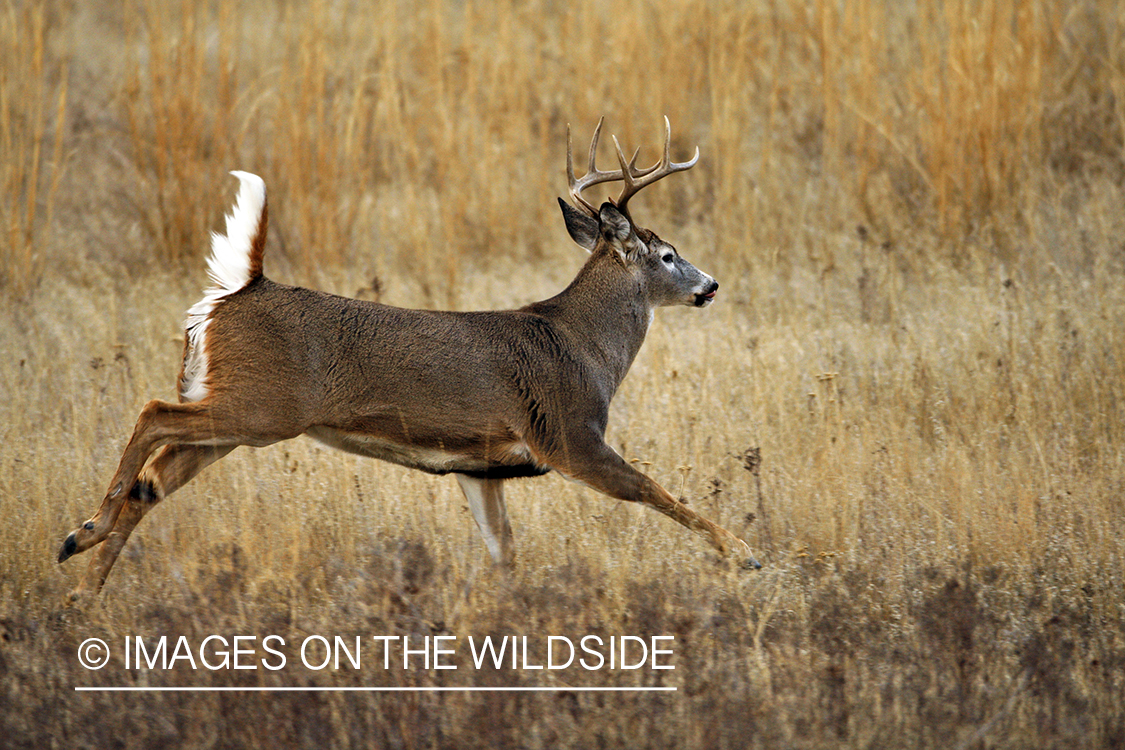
[486,396]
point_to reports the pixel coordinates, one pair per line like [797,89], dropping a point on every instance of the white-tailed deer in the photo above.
[487,396]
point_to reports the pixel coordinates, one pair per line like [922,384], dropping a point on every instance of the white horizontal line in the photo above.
[374,689]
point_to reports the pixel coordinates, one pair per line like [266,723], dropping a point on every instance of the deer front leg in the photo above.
[173,467]
[486,501]
[599,466]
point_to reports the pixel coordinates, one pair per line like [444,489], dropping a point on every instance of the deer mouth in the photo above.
[702,300]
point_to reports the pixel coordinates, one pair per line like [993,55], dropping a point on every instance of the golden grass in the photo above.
[915,216]
[32,103]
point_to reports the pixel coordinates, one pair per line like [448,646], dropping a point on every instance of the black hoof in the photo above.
[69,547]
[751,564]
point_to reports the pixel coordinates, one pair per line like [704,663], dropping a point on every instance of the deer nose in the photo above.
[705,297]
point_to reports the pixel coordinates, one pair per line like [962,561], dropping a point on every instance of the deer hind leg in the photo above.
[172,468]
[486,501]
[162,423]
[603,469]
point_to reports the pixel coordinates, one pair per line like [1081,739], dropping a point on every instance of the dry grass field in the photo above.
[909,398]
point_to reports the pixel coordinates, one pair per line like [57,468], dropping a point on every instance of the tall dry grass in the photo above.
[910,399]
[949,127]
[32,118]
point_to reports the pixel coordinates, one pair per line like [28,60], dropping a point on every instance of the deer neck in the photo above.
[607,313]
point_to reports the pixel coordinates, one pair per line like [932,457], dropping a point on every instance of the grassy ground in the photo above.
[910,398]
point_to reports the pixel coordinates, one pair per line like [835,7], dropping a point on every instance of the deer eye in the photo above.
[667,258]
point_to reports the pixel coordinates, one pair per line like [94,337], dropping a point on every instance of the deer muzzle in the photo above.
[706,297]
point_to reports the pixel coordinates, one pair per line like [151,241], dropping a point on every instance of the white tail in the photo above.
[236,260]
[487,396]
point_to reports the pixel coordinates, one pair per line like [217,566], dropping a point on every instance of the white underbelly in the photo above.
[426,459]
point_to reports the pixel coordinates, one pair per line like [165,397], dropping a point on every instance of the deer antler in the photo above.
[592,177]
[634,178]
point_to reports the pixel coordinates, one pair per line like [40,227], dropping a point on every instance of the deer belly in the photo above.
[431,460]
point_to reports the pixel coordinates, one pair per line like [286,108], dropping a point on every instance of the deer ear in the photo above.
[613,223]
[582,228]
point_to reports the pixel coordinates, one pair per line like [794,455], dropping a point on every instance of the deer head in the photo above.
[666,277]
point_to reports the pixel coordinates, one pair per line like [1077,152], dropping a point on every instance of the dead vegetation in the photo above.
[910,398]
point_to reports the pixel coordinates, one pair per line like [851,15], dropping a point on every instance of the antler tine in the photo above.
[592,177]
[590,168]
[631,168]
[637,179]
